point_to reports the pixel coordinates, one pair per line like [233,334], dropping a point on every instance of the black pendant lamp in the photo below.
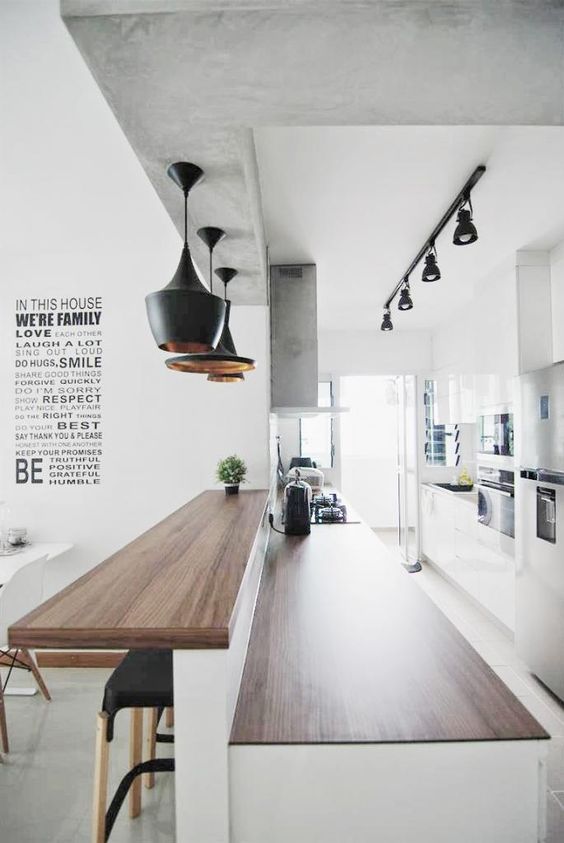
[465,231]
[184,316]
[431,271]
[387,324]
[405,302]
[224,360]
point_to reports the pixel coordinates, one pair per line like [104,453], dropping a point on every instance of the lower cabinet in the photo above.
[465,550]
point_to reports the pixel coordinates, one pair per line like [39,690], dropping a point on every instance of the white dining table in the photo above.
[9,565]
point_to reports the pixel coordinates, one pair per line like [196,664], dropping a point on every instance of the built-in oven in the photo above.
[495,434]
[496,499]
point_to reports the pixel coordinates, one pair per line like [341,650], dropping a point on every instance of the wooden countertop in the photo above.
[174,586]
[347,648]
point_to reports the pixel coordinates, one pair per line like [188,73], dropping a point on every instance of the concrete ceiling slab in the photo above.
[189,80]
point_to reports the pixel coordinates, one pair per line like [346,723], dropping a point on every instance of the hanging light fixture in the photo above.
[387,321]
[405,302]
[211,237]
[465,231]
[431,271]
[184,316]
[224,360]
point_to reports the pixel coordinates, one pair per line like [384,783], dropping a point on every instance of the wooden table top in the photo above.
[347,648]
[174,586]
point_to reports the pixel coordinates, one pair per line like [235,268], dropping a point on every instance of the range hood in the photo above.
[293,331]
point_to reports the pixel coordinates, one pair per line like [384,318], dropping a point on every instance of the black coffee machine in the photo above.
[297,513]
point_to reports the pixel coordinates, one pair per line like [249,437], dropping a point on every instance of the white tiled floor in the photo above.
[496,648]
[46,781]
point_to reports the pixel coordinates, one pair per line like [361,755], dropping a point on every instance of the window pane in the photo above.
[316,433]
[440,439]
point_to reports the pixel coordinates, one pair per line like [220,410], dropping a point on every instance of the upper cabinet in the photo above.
[557,303]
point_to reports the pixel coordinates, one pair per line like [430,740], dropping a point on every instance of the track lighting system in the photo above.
[464,234]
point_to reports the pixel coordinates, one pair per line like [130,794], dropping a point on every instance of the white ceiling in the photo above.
[360,201]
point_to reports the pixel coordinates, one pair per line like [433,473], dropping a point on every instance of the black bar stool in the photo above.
[142,680]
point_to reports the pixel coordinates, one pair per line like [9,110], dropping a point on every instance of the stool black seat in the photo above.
[142,680]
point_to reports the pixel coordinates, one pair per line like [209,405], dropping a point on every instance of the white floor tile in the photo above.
[46,780]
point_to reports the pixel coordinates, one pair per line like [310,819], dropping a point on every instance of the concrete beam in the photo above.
[193,81]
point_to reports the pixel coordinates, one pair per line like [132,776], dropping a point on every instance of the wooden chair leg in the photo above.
[3,724]
[169,718]
[29,659]
[100,796]
[151,744]
[135,757]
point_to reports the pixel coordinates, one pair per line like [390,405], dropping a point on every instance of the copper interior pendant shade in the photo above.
[224,361]
[234,377]
[185,316]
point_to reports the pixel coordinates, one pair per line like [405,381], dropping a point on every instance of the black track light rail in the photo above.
[461,197]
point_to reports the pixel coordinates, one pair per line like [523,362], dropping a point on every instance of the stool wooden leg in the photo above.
[3,724]
[29,659]
[169,718]
[100,779]
[151,744]
[135,757]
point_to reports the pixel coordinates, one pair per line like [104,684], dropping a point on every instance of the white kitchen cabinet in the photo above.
[468,553]
[437,526]
[493,392]
[455,398]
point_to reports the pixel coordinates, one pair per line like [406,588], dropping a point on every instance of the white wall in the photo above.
[481,337]
[374,352]
[79,217]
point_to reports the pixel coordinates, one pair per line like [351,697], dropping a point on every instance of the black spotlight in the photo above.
[465,231]
[431,271]
[387,321]
[405,302]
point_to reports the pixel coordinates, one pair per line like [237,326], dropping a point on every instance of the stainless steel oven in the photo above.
[496,499]
[495,434]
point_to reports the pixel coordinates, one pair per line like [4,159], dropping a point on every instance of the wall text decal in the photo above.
[58,390]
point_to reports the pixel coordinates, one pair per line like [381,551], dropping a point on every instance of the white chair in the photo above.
[22,593]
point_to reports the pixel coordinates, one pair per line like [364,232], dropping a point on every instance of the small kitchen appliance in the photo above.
[297,501]
[328,508]
[496,499]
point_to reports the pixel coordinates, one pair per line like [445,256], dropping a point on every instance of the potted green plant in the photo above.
[231,472]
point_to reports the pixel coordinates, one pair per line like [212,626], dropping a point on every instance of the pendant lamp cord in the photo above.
[211,274]
[225,291]
[185,217]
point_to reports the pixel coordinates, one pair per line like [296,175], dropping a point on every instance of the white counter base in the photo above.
[472,792]
[206,685]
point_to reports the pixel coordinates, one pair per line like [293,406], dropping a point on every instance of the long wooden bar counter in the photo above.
[175,586]
[347,648]
[190,584]
[365,715]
